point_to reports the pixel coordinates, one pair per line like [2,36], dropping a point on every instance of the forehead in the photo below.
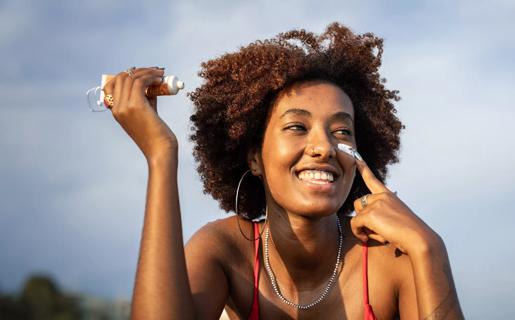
[318,97]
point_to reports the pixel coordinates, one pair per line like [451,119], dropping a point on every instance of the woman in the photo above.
[268,126]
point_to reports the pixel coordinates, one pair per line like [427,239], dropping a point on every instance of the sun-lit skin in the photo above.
[314,114]
[305,125]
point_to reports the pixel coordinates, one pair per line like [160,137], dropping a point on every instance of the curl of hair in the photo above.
[232,105]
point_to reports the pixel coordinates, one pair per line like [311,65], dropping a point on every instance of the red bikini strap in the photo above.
[365,273]
[369,313]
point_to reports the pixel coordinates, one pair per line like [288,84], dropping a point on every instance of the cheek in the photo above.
[349,168]
[348,180]
[279,157]
[279,153]
[278,160]
[348,164]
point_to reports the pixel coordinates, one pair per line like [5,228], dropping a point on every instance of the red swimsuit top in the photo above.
[254,313]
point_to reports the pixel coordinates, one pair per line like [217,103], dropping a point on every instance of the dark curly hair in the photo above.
[232,106]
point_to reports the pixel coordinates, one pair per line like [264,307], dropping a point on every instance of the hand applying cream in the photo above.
[350,151]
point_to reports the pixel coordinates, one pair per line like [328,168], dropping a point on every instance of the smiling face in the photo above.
[303,171]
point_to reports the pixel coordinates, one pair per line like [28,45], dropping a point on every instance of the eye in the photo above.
[296,127]
[343,132]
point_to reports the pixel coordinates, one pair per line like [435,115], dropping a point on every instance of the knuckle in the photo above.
[355,222]
[108,86]
[388,194]
[372,216]
[132,106]
[120,113]
[138,82]
[121,74]
[127,78]
[380,202]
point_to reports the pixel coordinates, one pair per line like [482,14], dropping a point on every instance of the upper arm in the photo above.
[408,308]
[208,282]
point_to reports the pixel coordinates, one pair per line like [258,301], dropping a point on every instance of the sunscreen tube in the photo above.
[350,151]
[170,86]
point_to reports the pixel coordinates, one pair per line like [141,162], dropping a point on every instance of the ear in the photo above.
[254,161]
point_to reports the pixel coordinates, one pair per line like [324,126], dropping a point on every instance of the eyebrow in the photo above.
[342,116]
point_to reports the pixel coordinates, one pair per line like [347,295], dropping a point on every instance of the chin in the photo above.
[316,210]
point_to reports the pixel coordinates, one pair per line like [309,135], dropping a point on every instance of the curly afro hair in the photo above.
[232,106]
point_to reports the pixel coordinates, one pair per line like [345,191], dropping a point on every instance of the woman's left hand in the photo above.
[385,218]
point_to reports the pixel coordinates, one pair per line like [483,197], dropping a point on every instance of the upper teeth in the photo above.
[316,175]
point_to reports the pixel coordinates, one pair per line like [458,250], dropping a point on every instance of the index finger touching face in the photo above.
[374,185]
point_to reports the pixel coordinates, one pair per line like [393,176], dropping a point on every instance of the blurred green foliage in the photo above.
[39,299]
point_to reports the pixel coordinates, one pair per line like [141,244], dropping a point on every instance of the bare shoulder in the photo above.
[222,238]
[228,229]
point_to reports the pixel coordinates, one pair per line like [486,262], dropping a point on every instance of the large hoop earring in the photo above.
[238,216]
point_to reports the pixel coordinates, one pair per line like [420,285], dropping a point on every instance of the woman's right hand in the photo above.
[137,114]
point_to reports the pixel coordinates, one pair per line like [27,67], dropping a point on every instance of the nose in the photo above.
[320,146]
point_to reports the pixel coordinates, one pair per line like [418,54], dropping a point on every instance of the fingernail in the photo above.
[347,149]
[357,155]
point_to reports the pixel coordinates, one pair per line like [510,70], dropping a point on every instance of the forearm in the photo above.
[162,289]
[436,293]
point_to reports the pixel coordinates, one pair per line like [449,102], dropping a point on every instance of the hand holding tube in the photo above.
[170,85]
[135,108]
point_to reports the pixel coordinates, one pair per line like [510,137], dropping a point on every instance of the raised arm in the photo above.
[428,291]
[161,289]
[436,294]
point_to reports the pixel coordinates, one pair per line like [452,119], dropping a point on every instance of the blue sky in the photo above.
[72,183]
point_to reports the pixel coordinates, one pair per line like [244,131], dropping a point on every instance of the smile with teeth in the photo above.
[316,176]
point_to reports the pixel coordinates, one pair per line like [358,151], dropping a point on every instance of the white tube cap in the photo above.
[174,84]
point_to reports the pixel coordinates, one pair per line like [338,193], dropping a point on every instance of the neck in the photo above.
[302,250]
